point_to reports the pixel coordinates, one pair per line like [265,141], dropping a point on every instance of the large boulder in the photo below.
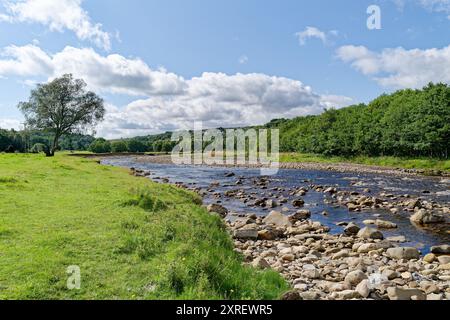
[369,233]
[277,219]
[406,253]
[424,217]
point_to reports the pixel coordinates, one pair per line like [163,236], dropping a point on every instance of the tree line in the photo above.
[407,123]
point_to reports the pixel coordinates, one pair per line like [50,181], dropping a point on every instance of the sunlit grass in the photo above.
[132,238]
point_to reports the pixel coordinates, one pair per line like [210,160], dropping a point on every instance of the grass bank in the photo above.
[394,162]
[131,238]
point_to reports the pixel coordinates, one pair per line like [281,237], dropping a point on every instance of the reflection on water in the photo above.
[432,189]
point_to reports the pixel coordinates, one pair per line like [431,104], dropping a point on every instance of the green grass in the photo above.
[131,238]
[395,162]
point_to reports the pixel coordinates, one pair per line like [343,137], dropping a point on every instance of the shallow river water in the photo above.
[437,189]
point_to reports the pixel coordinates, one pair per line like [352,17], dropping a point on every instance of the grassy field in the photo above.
[395,162]
[131,238]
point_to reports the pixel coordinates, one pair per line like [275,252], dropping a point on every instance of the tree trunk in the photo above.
[51,151]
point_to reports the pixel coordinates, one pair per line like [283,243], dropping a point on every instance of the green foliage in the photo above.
[407,123]
[100,146]
[119,146]
[135,145]
[60,107]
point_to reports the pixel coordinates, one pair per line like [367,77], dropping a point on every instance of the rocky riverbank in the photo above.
[336,167]
[359,263]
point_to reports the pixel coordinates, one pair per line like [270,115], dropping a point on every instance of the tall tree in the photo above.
[62,106]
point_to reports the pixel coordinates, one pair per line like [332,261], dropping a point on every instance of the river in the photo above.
[430,189]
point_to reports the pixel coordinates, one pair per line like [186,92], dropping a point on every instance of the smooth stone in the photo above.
[396,293]
[369,233]
[407,253]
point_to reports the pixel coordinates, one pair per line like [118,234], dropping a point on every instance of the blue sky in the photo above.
[160,65]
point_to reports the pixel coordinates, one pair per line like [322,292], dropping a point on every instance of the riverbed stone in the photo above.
[444,259]
[363,288]
[369,233]
[277,219]
[298,203]
[430,258]
[442,249]
[219,209]
[246,234]
[424,217]
[260,263]
[355,277]
[406,253]
[300,215]
[396,293]
[385,224]
[351,229]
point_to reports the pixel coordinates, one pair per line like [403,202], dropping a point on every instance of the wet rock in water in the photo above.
[412,204]
[229,174]
[353,207]
[385,224]
[217,208]
[396,293]
[369,233]
[351,229]
[260,263]
[300,215]
[277,219]
[406,253]
[398,239]
[271,204]
[246,234]
[355,277]
[298,203]
[443,249]
[424,217]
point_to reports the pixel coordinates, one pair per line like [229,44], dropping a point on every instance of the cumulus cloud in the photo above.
[313,32]
[219,100]
[113,73]
[168,101]
[398,67]
[58,15]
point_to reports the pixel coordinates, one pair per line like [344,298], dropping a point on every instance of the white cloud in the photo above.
[398,67]
[113,73]
[219,100]
[58,15]
[9,123]
[313,32]
[170,102]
